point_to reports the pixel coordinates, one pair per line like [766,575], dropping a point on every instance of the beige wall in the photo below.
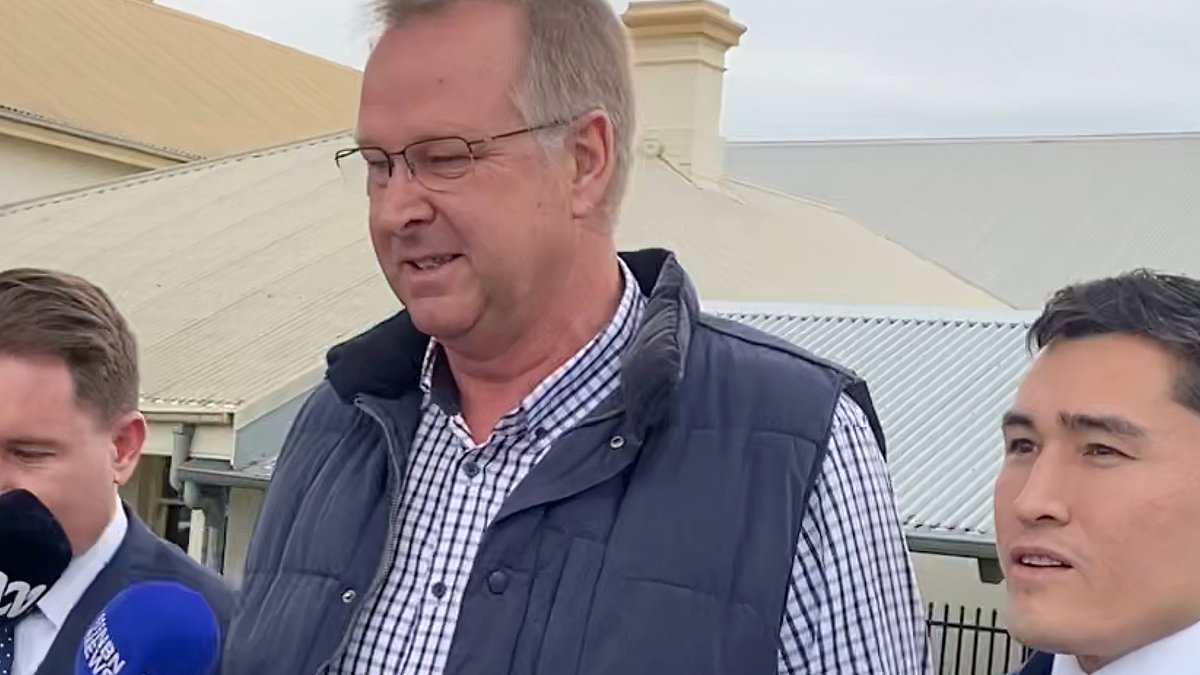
[244,507]
[29,170]
[955,581]
[144,492]
[211,441]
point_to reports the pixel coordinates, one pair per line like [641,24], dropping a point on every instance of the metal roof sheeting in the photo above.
[941,381]
[1018,217]
[138,73]
[238,274]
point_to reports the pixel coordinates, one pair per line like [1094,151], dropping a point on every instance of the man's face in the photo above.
[1098,500]
[484,253]
[54,448]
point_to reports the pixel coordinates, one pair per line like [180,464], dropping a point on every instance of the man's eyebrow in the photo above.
[1109,424]
[35,441]
[1014,418]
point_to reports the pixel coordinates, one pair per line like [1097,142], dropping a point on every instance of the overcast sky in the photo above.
[811,69]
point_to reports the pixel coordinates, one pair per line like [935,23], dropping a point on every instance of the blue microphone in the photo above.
[152,628]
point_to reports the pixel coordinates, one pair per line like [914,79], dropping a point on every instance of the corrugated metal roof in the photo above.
[941,381]
[138,72]
[1018,218]
[238,274]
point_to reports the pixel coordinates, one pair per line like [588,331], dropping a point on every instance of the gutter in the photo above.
[968,546]
[146,156]
[218,473]
[193,417]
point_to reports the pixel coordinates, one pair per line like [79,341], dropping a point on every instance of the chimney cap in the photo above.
[683,18]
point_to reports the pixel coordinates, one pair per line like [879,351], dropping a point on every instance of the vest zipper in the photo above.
[389,556]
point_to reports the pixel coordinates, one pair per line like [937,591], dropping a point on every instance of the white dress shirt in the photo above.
[1178,654]
[35,633]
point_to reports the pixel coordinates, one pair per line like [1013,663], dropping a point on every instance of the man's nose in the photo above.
[404,202]
[1043,497]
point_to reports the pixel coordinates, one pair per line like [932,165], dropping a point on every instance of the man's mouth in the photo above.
[432,262]
[1041,561]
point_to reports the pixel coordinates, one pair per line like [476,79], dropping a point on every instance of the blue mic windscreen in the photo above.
[152,628]
[34,553]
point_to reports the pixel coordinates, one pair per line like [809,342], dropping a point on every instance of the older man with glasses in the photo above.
[551,461]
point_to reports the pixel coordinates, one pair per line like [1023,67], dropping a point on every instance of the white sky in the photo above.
[892,68]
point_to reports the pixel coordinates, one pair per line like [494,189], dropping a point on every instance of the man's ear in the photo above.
[128,439]
[592,149]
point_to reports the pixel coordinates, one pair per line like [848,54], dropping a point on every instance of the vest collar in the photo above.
[385,362]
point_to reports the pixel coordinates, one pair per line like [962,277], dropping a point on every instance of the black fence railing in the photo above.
[971,644]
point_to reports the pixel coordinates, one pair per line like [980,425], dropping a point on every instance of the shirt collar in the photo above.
[58,602]
[1178,653]
[438,385]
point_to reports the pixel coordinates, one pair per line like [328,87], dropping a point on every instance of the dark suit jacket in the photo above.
[1040,663]
[141,557]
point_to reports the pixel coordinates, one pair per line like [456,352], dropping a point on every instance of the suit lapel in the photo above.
[113,579]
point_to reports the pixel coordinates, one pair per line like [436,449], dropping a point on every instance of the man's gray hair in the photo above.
[578,61]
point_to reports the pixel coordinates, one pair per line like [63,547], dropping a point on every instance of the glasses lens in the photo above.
[363,168]
[439,161]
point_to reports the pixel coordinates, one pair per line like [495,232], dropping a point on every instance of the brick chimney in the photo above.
[679,49]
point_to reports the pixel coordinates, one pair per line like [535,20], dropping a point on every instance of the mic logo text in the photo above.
[99,651]
[16,597]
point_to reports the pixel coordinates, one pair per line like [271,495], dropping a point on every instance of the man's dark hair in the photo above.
[53,314]
[1164,308]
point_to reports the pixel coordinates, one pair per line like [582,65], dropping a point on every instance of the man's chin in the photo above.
[441,322]
[1040,628]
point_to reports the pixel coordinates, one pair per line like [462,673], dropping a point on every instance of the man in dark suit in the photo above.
[71,434]
[1098,500]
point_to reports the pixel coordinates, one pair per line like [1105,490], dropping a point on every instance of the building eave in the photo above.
[30,127]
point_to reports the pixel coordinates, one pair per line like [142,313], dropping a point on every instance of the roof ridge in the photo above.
[196,18]
[154,176]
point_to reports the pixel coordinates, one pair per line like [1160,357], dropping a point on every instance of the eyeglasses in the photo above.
[435,162]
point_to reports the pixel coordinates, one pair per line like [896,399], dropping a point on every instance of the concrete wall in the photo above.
[29,170]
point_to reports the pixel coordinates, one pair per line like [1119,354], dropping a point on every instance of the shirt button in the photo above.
[498,582]
[616,442]
[349,596]
[438,590]
[540,433]
[471,469]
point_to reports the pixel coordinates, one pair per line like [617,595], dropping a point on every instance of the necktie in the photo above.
[8,647]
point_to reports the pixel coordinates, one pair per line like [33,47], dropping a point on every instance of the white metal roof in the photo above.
[1017,217]
[940,379]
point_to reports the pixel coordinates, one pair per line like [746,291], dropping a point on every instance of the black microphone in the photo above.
[34,553]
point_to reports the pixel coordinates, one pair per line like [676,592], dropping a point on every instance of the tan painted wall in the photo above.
[244,507]
[955,581]
[29,170]
[211,441]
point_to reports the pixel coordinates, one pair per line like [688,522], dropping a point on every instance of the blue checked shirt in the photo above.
[852,607]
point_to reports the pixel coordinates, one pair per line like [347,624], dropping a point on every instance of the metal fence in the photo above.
[971,644]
